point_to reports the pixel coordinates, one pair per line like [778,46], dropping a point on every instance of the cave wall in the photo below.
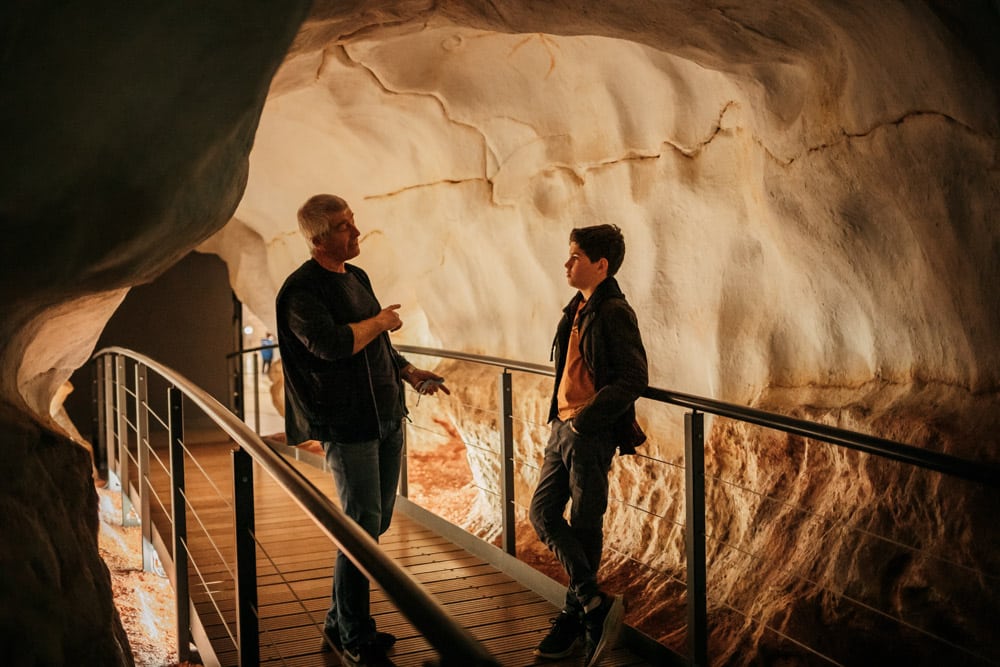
[808,191]
[808,194]
[807,203]
[125,132]
[183,319]
[57,605]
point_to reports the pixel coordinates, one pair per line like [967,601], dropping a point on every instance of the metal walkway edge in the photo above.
[295,571]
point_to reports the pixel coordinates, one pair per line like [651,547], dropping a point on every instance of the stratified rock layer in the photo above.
[809,195]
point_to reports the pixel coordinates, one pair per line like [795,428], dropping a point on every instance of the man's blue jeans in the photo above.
[367,475]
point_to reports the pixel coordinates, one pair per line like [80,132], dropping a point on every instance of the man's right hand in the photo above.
[388,318]
[366,331]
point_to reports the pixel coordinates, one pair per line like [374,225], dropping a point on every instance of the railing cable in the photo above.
[207,477]
[841,523]
[861,603]
[783,635]
[222,559]
[206,586]
[424,612]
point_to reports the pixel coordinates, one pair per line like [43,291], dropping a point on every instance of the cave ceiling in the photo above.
[808,189]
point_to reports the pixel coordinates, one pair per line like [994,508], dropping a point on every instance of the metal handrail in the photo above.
[427,615]
[242,351]
[694,473]
[975,471]
[508,364]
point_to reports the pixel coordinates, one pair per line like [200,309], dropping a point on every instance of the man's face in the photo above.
[341,241]
[581,273]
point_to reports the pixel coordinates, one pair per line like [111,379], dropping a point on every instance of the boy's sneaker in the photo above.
[331,640]
[365,655]
[562,638]
[603,626]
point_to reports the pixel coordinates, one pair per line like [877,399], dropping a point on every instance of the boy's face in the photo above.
[582,273]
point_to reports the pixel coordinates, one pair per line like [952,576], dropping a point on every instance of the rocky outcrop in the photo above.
[809,196]
[57,602]
[126,132]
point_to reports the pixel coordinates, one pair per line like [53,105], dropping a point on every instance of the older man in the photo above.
[343,387]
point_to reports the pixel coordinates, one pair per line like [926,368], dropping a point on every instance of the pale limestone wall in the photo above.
[809,193]
[776,238]
[809,198]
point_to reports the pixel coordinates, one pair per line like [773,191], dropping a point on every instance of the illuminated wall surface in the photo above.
[809,193]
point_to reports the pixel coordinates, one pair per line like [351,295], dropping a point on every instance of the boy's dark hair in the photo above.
[601,241]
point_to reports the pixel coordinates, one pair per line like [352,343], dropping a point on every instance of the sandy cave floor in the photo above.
[145,600]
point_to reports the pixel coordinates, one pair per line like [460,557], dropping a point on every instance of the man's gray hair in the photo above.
[314,216]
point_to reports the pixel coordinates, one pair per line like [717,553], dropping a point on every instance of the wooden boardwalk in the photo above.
[295,568]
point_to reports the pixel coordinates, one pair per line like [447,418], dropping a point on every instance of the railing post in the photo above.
[247,630]
[404,475]
[694,472]
[509,532]
[142,455]
[110,442]
[98,419]
[256,394]
[237,394]
[178,509]
[121,377]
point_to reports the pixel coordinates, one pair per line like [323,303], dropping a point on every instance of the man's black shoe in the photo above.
[331,640]
[567,630]
[365,655]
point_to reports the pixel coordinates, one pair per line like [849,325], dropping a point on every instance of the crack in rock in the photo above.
[848,136]
[430,184]
[487,151]
[632,155]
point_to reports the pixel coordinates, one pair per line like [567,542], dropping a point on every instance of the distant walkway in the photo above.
[269,418]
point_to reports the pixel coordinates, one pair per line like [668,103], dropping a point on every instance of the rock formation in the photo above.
[125,134]
[809,195]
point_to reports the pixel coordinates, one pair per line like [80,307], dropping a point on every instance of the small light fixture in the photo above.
[248,330]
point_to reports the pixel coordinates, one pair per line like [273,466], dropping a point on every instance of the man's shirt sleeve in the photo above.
[313,324]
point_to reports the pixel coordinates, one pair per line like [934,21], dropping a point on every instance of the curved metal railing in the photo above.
[974,471]
[454,644]
[695,533]
[693,469]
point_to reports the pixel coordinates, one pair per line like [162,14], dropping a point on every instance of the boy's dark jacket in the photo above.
[612,349]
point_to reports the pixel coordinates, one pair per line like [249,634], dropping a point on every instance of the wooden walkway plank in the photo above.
[295,562]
